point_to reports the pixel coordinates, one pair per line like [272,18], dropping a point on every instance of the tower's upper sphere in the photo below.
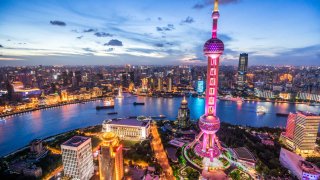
[213,46]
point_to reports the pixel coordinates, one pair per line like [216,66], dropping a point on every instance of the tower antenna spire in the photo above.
[215,9]
[215,17]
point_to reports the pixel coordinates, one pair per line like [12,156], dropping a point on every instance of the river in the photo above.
[17,131]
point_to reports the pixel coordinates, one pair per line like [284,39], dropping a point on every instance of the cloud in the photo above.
[114,42]
[159,18]
[79,37]
[163,44]
[58,23]
[103,34]
[89,30]
[169,27]
[109,49]
[225,38]
[188,20]
[303,51]
[88,50]
[159,45]
[159,29]
[204,3]
[10,59]
[142,50]
[196,59]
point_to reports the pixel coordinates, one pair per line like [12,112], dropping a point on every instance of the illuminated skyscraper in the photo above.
[110,158]
[200,86]
[305,132]
[209,123]
[290,125]
[77,158]
[242,71]
[184,114]
[169,84]
[160,84]
[301,132]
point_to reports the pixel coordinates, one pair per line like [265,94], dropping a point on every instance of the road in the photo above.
[160,153]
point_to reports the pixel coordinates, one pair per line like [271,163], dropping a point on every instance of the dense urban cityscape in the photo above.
[182,121]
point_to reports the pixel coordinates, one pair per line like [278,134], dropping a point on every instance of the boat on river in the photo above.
[138,103]
[108,103]
[261,110]
[282,114]
[230,98]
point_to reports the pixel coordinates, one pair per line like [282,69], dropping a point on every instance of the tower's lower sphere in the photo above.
[209,124]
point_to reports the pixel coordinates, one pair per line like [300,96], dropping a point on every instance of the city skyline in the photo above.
[153,33]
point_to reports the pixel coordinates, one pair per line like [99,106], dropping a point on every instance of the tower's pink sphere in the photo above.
[213,46]
[209,124]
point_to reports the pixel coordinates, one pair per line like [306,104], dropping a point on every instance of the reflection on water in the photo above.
[18,131]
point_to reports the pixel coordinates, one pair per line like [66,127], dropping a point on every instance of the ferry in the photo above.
[138,103]
[261,110]
[314,104]
[230,98]
[282,114]
[143,118]
[161,116]
[108,103]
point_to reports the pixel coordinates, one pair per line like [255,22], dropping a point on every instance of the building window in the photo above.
[210,109]
[213,71]
[211,100]
[212,81]
[211,91]
[213,61]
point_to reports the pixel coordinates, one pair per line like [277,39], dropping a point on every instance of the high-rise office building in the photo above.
[169,84]
[301,132]
[291,125]
[242,71]
[160,84]
[77,158]
[110,158]
[184,114]
[305,132]
[200,86]
[125,80]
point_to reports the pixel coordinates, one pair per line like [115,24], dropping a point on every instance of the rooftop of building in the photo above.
[306,113]
[75,141]
[244,154]
[309,167]
[127,121]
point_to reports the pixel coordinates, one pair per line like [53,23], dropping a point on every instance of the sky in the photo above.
[157,32]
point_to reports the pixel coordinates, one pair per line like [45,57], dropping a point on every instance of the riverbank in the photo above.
[272,101]
[99,98]
[48,107]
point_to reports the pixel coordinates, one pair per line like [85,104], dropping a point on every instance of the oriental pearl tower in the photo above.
[209,147]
